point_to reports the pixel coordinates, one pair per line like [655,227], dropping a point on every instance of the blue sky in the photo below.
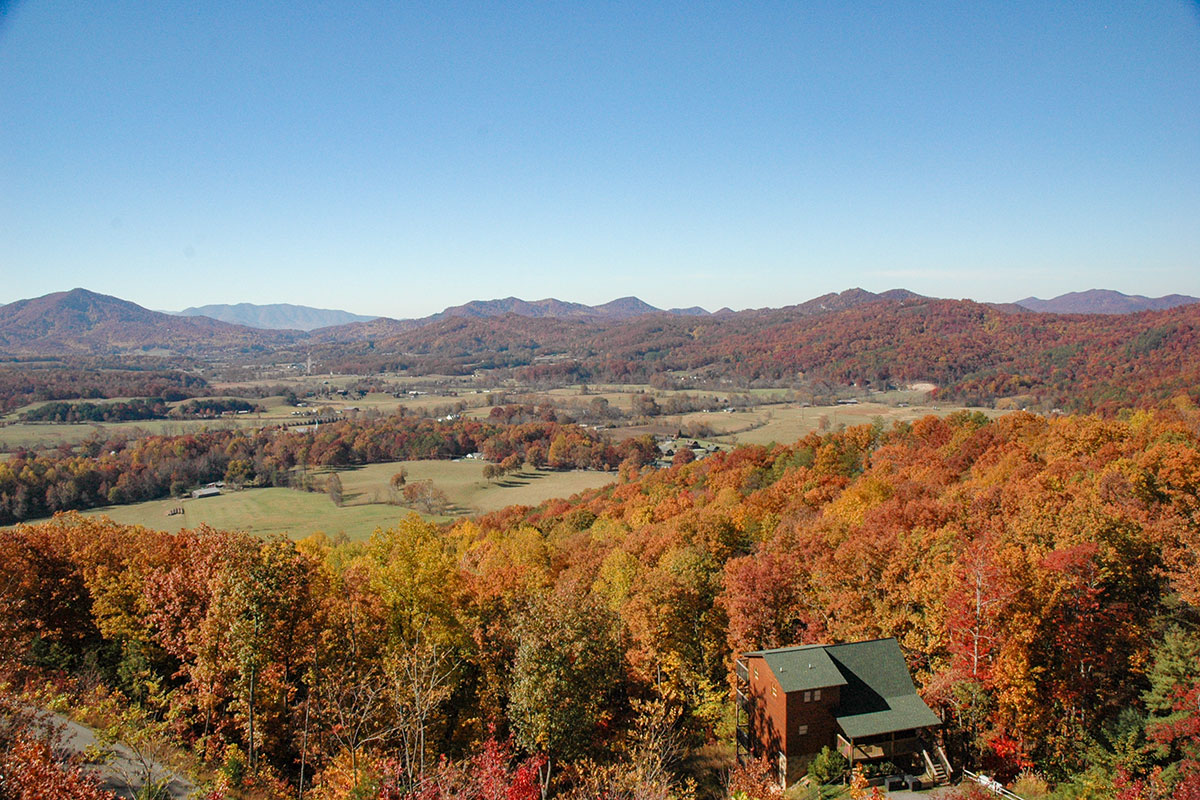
[397,157]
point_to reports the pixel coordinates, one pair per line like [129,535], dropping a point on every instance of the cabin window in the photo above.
[756,673]
[803,729]
[808,697]
[773,692]
[816,694]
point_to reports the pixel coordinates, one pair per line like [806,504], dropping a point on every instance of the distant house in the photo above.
[856,698]
[207,491]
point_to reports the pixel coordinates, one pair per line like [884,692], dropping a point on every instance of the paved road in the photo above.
[122,772]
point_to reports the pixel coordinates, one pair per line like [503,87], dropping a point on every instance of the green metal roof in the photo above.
[801,668]
[878,695]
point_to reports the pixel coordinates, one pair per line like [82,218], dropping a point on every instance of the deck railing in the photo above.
[991,785]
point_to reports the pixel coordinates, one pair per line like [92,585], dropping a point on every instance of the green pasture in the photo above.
[259,511]
[366,492]
[465,486]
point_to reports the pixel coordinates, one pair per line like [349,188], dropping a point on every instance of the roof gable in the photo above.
[801,668]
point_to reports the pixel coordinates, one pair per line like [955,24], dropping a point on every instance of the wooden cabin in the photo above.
[857,698]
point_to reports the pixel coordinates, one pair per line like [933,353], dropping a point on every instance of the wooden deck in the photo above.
[858,751]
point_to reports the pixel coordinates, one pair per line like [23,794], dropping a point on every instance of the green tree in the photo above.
[333,485]
[565,675]
[827,767]
[1175,668]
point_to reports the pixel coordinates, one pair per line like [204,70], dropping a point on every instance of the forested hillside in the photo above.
[973,353]
[80,321]
[23,383]
[1040,575]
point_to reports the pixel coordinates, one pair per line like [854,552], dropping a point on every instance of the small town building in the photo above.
[857,698]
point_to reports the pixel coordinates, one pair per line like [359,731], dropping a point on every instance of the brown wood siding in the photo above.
[776,717]
[768,719]
[818,716]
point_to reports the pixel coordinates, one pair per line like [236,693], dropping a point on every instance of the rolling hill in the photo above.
[620,309]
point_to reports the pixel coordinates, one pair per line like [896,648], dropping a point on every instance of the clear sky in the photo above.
[397,157]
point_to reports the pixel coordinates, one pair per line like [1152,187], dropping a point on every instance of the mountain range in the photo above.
[1105,301]
[973,352]
[81,321]
[286,316]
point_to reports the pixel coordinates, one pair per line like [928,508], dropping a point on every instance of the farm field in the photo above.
[260,511]
[786,424]
[782,424]
[41,435]
[365,491]
[465,486]
[38,435]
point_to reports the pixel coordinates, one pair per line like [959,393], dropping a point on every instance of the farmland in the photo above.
[761,416]
[465,486]
[298,514]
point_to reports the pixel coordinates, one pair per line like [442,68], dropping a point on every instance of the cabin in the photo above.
[207,491]
[857,698]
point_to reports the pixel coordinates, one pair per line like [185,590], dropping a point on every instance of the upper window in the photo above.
[773,692]
[816,694]
[803,729]
[808,697]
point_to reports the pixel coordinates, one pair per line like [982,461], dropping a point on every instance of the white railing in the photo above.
[992,785]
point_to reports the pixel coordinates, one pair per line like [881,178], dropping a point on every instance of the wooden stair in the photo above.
[936,766]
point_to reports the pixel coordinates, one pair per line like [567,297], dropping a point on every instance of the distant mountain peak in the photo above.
[621,308]
[1105,301]
[274,316]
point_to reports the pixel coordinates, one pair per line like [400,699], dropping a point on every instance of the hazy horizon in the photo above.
[664,307]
